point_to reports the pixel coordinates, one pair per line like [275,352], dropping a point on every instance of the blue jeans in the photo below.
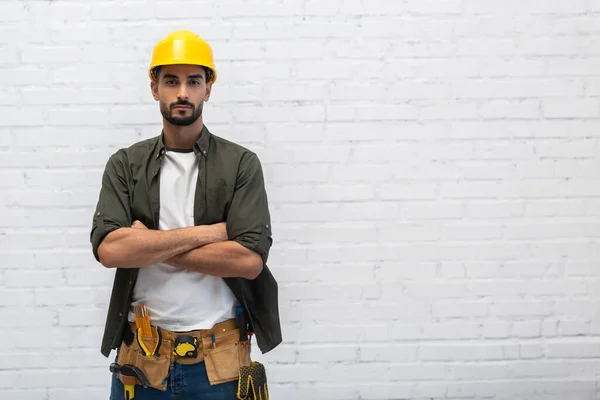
[186,382]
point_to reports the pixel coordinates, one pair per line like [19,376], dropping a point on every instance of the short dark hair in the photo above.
[207,71]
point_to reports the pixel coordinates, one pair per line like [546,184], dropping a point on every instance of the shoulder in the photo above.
[223,144]
[135,153]
[231,150]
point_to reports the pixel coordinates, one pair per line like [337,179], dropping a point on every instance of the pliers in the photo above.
[145,349]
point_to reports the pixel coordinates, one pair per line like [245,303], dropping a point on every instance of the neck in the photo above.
[182,137]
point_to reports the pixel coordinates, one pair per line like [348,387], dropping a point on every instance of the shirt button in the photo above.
[97,214]
[266,226]
[120,314]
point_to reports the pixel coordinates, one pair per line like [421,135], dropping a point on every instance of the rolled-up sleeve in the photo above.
[249,220]
[113,208]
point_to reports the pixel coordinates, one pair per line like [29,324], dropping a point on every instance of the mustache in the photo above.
[181,103]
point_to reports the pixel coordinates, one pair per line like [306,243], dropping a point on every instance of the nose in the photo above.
[183,93]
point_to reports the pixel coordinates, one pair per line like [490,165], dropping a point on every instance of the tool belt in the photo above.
[220,348]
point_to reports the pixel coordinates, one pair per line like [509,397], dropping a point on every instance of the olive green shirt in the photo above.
[230,188]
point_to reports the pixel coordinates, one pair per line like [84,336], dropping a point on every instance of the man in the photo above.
[184,219]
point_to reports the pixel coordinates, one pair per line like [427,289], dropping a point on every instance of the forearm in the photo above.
[224,259]
[133,248]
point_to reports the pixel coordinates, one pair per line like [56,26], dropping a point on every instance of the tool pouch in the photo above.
[155,368]
[224,361]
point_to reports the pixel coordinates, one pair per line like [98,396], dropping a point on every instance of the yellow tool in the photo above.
[142,320]
[130,374]
[129,392]
[143,346]
[186,346]
[142,323]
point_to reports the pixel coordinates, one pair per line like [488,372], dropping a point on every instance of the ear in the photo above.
[154,89]
[208,90]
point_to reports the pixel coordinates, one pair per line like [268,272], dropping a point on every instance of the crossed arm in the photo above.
[204,249]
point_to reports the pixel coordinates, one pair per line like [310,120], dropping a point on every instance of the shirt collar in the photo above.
[200,147]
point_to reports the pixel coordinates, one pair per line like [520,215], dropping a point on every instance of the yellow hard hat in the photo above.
[182,47]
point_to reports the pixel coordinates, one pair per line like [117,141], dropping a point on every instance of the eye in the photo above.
[195,82]
[170,82]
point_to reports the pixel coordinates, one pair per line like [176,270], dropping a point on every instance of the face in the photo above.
[181,91]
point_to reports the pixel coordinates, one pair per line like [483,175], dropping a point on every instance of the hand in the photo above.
[138,225]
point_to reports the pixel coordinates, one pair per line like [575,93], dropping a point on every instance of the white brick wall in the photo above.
[432,167]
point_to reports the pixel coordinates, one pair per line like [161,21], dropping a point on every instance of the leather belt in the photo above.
[170,338]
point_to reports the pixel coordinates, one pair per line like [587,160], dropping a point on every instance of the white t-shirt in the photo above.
[179,300]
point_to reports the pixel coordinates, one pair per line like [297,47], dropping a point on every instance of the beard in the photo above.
[181,120]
